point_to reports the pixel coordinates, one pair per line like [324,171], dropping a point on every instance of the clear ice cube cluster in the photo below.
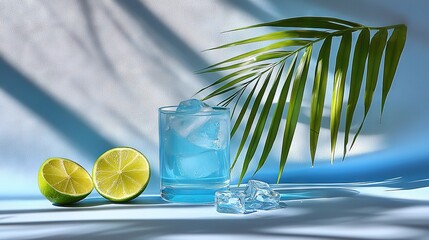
[256,196]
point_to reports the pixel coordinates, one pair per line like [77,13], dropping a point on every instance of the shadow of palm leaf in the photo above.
[67,123]
[337,216]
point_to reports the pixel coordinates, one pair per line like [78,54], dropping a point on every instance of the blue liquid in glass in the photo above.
[194,154]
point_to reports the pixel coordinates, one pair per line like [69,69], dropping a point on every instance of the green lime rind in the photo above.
[54,195]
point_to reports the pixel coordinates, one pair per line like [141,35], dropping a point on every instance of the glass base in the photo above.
[191,193]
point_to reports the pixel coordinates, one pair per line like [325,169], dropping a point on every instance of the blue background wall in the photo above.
[79,77]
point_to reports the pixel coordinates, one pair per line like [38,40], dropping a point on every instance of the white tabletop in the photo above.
[311,212]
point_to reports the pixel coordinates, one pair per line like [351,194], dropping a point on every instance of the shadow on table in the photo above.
[98,204]
[315,193]
[340,218]
[154,201]
[92,202]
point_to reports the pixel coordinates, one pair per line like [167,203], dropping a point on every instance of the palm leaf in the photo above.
[358,68]
[307,22]
[234,74]
[376,48]
[230,85]
[341,67]
[232,66]
[237,101]
[243,109]
[257,133]
[254,59]
[278,113]
[318,95]
[277,45]
[294,107]
[299,36]
[394,48]
[228,100]
[276,36]
[252,115]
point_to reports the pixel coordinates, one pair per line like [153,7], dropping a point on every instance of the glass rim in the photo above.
[216,111]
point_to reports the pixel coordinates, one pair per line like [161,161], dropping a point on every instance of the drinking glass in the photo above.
[194,154]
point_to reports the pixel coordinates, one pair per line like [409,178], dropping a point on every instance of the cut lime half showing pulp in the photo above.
[63,181]
[121,174]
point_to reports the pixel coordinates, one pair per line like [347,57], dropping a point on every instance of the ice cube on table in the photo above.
[257,196]
[260,196]
[230,201]
[192,106]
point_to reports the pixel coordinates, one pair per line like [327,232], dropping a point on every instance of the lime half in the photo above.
[63,181]
[121,174]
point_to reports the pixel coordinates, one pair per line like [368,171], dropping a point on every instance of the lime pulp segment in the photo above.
[121,174]
[63,181]
[67,177]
